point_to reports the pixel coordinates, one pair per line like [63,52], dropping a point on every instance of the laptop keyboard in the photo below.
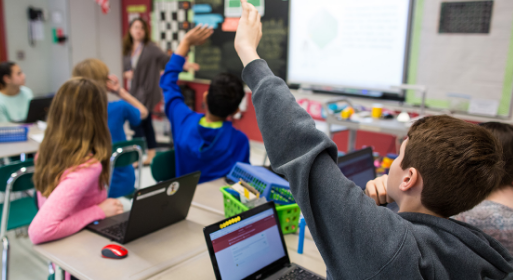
[299,274]
[117,230]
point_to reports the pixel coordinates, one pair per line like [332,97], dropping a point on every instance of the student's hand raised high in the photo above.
[249,33]
[111,207]
[377,190]
[198,35]
[194,37]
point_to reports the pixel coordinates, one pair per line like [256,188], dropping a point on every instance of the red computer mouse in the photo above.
[113,251]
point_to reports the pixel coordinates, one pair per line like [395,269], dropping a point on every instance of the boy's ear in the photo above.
[409,180]
[6,79]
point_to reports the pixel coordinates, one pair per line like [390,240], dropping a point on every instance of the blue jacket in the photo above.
[212,151]
[123,178]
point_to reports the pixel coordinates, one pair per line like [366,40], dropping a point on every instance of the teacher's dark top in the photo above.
[145,82]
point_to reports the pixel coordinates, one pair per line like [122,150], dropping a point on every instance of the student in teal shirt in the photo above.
[14,96]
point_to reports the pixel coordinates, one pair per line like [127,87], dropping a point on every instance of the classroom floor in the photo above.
[25,264]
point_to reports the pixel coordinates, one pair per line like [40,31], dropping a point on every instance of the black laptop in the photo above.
[38,109]
[153,208]
[358,166]
[251,246]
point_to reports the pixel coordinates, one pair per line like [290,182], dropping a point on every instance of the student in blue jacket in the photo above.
[127,109]
[206,142]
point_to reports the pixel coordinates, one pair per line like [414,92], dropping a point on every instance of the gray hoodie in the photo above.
[356,238]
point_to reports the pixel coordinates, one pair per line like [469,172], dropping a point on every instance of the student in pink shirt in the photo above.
[72,166]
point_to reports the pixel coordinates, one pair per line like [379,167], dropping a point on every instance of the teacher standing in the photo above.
[143,61]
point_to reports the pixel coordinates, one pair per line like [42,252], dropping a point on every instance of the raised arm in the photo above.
[347,226]
[175,108]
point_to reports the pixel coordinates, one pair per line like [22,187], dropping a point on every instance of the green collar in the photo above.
[214,125]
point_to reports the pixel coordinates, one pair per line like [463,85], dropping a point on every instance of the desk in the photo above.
[209,198]
[200,267]
[178,245]
[80,254]
[17,148]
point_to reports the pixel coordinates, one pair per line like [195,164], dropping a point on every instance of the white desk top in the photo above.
[16,148]
[200,266]
[160,252]
[80,254]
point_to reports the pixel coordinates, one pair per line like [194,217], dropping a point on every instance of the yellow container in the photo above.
[377,111]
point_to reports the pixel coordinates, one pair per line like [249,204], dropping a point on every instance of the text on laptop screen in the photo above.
[248,246]
[360,170]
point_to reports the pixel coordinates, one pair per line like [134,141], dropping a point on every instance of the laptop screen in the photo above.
[248,246]
[358,168]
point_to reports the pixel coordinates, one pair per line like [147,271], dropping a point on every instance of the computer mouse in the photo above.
[113,251]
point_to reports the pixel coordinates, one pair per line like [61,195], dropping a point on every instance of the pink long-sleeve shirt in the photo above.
[71,206]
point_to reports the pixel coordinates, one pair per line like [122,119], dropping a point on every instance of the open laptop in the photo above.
[38,109]
[358,166]
[251,246]
[153,208]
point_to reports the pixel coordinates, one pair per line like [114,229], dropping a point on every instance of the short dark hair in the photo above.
[224,95]
[504,133]
[460,163]
[5,70]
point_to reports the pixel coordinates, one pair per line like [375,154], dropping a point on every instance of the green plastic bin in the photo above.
[288,214]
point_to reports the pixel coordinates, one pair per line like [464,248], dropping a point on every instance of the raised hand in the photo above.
[195,37]
[249,33]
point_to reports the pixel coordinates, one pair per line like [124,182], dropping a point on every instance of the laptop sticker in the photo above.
[173,188]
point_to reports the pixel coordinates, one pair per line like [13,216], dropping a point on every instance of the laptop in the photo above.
[153,208]
[358,166]
[38,109]
[251,246]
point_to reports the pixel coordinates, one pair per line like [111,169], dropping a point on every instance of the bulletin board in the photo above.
[463,64]
[218,53]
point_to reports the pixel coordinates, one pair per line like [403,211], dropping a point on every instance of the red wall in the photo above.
[3,42]
[381,143]
[145,16]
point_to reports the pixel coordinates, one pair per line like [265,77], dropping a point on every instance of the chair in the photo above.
[163,166]
[125,153]
[15,177]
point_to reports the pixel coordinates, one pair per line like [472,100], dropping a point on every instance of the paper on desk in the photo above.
[37,137]
[482,106]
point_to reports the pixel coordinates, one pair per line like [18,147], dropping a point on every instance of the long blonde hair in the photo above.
[77,133]
[94,69]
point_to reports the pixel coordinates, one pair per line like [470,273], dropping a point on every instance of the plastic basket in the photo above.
[270,185]
[13,134]
[287,214]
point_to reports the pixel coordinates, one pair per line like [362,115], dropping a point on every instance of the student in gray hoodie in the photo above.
[446,166]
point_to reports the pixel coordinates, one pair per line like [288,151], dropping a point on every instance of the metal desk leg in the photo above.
[328,130]
[5,258]
[351,143]
[59,273]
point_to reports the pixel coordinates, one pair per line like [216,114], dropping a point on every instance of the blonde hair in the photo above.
[93,69]
[77,133]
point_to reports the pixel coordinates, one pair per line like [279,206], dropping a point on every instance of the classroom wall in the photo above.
[60,63]
[91,34]
[96,35]
[36,59]
[3,49]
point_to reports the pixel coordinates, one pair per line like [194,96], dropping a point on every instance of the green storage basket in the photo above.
[288,214]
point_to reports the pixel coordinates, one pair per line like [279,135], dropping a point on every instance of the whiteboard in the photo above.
[349,44]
